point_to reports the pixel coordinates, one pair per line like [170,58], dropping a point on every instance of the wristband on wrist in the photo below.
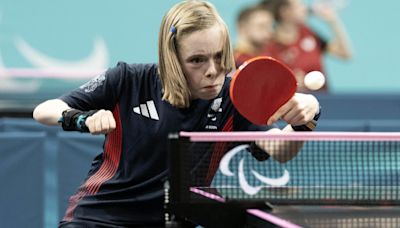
[310,125]
[74,120]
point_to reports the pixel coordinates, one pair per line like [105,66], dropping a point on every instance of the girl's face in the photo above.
[200,55]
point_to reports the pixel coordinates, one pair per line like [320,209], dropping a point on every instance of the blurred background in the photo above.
[91,35]
[50,47]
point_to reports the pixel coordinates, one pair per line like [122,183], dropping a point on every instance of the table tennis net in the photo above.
[330,168]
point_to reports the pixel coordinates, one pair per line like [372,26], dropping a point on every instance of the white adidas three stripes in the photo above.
[148,110]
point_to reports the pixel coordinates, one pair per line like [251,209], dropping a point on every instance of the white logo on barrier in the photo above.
[148,110]
[98,59]
[246,187]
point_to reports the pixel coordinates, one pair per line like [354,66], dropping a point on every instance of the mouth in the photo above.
[211,86]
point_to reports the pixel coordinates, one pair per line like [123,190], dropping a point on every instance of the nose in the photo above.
[212,69]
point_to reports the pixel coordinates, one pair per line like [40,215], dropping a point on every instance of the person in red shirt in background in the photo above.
[300,47]
[254,29]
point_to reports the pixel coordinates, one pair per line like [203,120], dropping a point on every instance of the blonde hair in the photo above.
[184,18]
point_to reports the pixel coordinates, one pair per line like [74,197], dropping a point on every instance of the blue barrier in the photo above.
[342,125]
[360,106]
[60,151]
[21,172]
[384,125]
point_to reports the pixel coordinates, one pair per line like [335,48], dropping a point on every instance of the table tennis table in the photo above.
[292,214]
[287,206]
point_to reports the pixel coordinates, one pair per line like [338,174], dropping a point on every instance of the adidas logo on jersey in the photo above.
[148,110]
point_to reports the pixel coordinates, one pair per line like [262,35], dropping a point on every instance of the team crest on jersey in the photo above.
[216,105]
[212,116]
[91,85]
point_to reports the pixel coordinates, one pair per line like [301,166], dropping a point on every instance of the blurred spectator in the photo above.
[254,29]
[299,46]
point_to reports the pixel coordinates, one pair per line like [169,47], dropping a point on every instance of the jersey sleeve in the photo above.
[101,92]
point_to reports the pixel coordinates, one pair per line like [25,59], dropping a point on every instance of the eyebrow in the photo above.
[201,55]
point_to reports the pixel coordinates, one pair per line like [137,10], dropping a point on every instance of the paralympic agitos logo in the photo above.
[244,184]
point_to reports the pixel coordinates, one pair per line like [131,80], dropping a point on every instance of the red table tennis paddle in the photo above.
[260,87]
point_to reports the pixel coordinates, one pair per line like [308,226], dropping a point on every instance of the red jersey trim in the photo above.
[111,159]
[219,151]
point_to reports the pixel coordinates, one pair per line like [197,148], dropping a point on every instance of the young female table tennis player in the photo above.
[138,105]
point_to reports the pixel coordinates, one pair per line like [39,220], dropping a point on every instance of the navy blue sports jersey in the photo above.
[125,184]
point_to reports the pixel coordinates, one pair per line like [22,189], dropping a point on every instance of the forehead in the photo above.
[205,41]
[260,15]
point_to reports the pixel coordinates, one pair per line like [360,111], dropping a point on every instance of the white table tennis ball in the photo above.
[314,80]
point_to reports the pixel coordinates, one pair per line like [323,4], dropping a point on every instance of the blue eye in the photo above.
[218,57]
[196,60]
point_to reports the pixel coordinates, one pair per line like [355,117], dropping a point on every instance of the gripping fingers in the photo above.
[279,113]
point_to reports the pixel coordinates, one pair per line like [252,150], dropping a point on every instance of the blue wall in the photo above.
[67,30]
[40,168]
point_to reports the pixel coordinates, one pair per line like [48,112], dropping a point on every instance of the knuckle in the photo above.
[100,112]
[108,112]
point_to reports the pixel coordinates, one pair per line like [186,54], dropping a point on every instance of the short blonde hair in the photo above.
[184,18]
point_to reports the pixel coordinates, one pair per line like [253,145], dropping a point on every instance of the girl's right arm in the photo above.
[50,111]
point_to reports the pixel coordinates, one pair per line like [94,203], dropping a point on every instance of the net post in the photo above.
[178,175]
[176,187]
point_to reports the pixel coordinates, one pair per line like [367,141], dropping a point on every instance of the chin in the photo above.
[208,96]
